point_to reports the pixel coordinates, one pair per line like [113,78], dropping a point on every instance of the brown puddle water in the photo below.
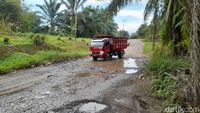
[115,66]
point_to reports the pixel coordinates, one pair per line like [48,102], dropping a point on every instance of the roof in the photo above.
[108,36]
[100,39]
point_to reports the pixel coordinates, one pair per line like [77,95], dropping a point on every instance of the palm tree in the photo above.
[73,7]
[194,10]
[92,21]
[49,11]
[152,7]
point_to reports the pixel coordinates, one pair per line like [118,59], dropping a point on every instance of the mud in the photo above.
[65,87]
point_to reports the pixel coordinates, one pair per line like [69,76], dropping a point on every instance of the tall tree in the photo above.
[93,21]
[10,10]
[152,7]
[50,11]
[73,7]
[195,41]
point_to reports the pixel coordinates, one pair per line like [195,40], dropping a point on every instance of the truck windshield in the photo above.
[97,44]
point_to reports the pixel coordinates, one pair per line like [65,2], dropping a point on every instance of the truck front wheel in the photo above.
[95,58]
[107,57]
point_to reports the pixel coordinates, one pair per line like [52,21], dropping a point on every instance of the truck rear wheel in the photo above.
[120,55]
[95,58]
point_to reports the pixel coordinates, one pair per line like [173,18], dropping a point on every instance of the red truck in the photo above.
[106,46]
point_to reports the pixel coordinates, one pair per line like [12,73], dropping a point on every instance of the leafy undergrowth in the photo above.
[147,48]
[163,86]
[20,52]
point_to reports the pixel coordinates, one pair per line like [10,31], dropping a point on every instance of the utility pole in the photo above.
[123,27]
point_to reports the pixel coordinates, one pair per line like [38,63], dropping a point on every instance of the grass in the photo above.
[147,48]
[162,85]
[21,53]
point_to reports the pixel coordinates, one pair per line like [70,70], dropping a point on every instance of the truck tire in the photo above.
[119,55]
[107,57]
[95,58]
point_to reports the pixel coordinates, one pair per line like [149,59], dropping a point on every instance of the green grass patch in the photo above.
[22,53]
[24,60]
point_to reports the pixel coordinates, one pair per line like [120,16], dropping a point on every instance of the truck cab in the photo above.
[100,48]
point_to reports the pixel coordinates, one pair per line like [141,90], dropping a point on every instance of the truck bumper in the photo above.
[97,55]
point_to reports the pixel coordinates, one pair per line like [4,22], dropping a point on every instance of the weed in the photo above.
[39,40]
[6,40]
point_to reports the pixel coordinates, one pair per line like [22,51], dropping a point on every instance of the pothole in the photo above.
[130,66]
[82,106]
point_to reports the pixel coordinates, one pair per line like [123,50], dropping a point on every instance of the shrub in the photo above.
[31,36]
[6,40]
[39,40]
[162,85]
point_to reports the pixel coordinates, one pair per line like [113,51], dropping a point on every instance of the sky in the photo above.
[129,18]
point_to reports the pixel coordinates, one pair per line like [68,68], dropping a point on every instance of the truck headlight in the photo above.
[101,52]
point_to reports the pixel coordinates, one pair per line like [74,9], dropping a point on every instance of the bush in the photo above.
[39,40]
[6,40]
[162,85]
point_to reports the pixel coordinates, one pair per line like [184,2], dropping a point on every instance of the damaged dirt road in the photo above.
[81,86]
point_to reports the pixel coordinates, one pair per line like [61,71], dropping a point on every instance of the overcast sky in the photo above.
[131,16]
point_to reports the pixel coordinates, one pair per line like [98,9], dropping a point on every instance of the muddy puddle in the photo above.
[115,66]
[130,66]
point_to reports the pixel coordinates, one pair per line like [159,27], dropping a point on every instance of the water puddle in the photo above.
[92,107]
[130,66]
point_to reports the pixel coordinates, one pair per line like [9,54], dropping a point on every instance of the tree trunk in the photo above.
[195,53]
[76,25]
[154,32]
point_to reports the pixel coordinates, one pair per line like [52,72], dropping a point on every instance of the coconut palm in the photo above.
[73,6]
[49,11]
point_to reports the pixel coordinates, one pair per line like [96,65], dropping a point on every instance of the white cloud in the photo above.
[133,13]
[130,26]
[96,2]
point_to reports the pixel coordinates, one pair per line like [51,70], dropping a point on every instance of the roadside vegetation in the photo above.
[175,55]
[33,50]
[147,48]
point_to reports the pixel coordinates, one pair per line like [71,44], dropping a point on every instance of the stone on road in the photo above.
[92,108]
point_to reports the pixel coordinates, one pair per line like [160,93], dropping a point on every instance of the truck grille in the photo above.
[95,52]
